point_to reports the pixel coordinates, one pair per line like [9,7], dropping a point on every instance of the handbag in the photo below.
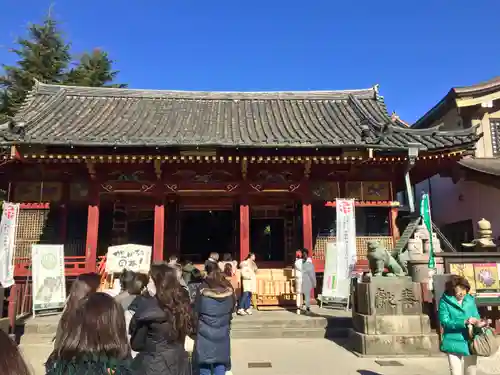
[483,342]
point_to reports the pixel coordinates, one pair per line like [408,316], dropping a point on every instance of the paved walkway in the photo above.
[293,357]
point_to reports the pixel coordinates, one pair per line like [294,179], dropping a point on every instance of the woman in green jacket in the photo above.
[457,309]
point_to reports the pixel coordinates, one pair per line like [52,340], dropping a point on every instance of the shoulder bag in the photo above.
[483,341]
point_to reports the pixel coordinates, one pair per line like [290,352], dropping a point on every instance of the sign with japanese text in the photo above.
[130,256]
[8,224]
[346,246]
[49,281]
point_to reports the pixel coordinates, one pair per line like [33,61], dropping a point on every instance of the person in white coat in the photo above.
[297,270]
[248,270]
[308,278]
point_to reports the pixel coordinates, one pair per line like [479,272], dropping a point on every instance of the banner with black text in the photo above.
[8,225]
[346,247]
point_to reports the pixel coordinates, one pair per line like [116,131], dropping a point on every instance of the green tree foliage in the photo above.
[45,56]
[94,70]
[4,105]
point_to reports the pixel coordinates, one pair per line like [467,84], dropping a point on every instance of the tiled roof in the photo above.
[449,100]
[490,166]
[481,88]
[83,116]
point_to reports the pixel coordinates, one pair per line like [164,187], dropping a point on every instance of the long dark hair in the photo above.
[82,287]
[11,360]
[137,283]
[96,328]
[173,299]
[126,278]
[85,285]
[215,278]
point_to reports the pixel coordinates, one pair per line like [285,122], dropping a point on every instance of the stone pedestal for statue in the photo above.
[418,250]
[418,269]
[388,319]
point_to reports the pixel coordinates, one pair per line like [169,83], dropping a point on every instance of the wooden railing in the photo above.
[361,245]
[361,249]
[73,265]
[21,297]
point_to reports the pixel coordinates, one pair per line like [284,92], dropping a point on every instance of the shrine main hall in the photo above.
[193,172]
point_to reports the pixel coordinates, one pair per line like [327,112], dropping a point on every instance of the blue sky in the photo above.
[415,50]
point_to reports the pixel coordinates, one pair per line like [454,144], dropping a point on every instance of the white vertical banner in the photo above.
[49,281]
[8,225]
[346,247]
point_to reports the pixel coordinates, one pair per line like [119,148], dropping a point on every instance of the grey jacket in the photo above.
[308,276]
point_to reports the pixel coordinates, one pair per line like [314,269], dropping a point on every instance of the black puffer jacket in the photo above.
[214,308]
[153,337]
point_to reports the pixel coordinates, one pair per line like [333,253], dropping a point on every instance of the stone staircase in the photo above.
[323,323]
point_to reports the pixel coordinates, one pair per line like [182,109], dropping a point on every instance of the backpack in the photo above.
[483,343]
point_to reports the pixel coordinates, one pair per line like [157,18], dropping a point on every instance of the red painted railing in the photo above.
[20,299]
[73,265]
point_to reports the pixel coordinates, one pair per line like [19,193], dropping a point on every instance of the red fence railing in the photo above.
[21,294]
[73,265]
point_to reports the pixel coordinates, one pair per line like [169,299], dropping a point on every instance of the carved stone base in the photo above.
[394,345]
[391,324]
[388,296]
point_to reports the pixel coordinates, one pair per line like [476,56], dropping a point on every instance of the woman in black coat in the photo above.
[160,325]
[214,305]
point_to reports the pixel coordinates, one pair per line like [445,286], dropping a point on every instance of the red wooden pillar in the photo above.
[307,232]
[159,232]
[307,227]
[393,216]
[12,308]
[92,229]
[244,231]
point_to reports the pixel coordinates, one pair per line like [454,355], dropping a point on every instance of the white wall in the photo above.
[462,201]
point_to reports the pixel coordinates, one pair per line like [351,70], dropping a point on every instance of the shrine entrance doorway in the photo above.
[141,228]
[125,219]
[206,231]
[267,239]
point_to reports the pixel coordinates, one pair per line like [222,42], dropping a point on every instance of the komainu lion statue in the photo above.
[379,259]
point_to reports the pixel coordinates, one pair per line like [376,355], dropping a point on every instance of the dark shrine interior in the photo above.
[141,232]
[267,239]
[203,232]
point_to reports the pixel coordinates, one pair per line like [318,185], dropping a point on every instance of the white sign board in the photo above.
[49,281]
[330,273]
[8,224]
[346,247]
[130,256]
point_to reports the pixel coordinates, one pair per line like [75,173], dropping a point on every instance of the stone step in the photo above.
[287,333]
[244,322]
[267,330]
[259,325]
[277,333]
[238,333]
[48,325]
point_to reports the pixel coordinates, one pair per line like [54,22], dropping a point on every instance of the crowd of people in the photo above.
[176,320]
